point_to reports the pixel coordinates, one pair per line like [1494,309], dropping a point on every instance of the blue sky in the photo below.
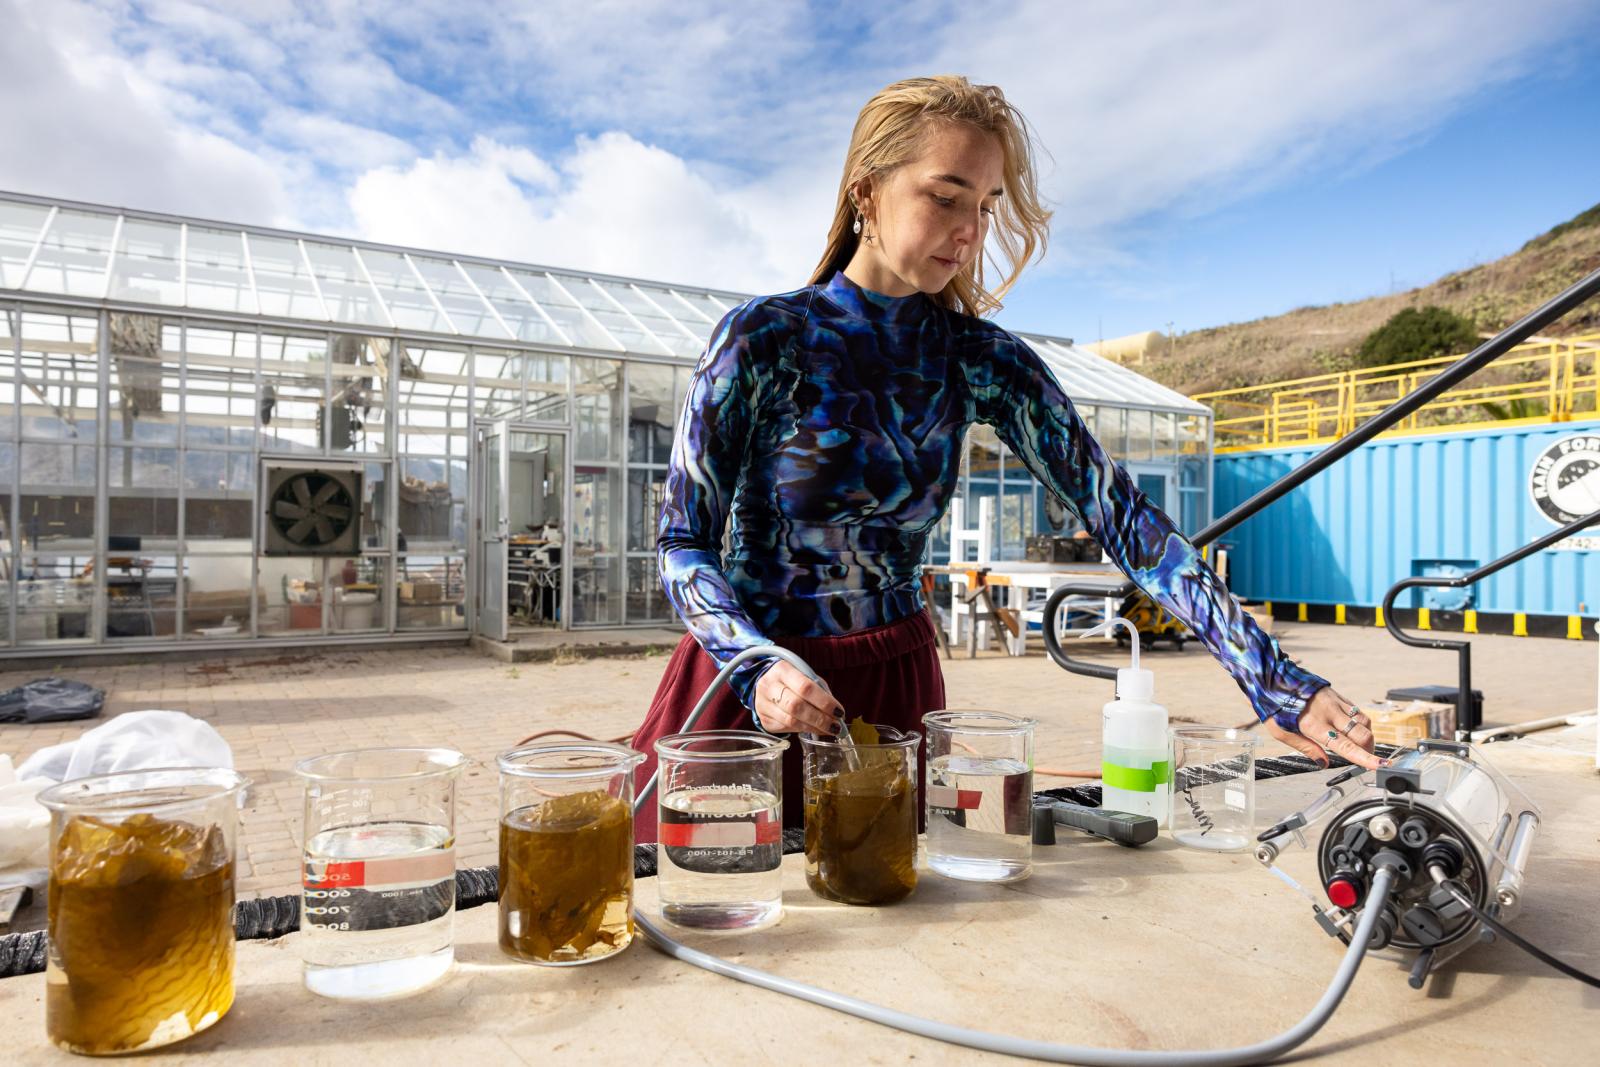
[1209,162]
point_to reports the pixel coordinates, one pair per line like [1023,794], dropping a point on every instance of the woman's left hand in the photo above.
[1331,723]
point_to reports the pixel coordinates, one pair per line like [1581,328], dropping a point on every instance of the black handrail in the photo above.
[1467,717]
[1462,368]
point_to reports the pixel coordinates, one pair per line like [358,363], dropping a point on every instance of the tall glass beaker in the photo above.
[378,877]
[566,851]
[720,842]
[141,907]
[861,817]
[1214,787]
[980,795]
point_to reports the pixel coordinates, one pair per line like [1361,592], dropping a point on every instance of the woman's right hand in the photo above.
[789,702]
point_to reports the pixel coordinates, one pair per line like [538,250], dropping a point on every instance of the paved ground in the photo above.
[274,709]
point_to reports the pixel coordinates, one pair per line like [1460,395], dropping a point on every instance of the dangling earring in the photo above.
[856,229]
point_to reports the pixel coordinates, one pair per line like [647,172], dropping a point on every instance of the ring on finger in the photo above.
[1349,724]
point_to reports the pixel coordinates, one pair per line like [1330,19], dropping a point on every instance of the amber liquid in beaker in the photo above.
[861,835]
[566,879]
[141,933]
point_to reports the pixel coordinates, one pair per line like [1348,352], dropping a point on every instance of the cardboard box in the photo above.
[421,592]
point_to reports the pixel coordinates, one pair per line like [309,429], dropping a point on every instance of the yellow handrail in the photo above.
[1550,381]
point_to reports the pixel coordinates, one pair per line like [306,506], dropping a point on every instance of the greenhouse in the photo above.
[235,436]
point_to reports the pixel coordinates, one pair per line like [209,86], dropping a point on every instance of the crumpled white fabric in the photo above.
[24,826]
[133,741]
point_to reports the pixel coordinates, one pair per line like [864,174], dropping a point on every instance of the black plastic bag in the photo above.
[51,700]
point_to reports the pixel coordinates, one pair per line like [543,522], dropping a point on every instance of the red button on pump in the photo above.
[1343,892]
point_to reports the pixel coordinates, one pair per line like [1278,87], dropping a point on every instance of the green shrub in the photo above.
[1418,333]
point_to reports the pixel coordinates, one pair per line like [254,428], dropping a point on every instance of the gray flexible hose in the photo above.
[1261,1052]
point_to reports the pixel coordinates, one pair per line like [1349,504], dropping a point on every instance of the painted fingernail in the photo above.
[1385,763]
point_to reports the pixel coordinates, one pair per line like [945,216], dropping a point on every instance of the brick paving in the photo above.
[276,708]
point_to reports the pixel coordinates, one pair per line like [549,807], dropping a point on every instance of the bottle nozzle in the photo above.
[1111,624]
[1132,683]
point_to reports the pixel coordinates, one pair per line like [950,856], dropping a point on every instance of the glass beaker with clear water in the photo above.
[719,848]
[979,795]
[1214,787]
[566,851]
[861,817]
[141,907]
[378,892]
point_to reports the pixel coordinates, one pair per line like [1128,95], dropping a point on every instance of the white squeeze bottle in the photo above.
[1136,753]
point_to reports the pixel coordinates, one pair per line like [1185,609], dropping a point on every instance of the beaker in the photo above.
[861,817]
[720,837]
[141,907]
[1214,787]
[566,851]
[980,795]
[378,874]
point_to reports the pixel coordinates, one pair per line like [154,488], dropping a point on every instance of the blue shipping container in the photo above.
[1429,504]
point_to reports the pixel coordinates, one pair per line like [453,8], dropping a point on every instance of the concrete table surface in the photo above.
[1155,948]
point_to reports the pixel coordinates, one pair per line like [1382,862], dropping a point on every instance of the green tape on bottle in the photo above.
[1137,779]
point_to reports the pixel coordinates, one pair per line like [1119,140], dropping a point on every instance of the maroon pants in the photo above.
[888,675]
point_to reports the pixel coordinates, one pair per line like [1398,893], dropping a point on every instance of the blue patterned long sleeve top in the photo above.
[829,423]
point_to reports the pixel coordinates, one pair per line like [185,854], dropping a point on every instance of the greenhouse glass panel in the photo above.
[618,324]
[293,391]
[344,289]
[466,309]
[60,373]
[219,400]
[282,282]
[74,255]
[19,232]
[579,328]
[521,316]
[217,275]
[406,298]
[146,267]
[146,389]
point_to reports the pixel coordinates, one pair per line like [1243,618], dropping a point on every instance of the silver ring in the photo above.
[1349,724]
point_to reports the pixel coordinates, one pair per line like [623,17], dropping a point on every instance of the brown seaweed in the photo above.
[566,878]
[141,933]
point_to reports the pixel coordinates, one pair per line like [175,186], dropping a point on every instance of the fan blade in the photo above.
[288,509]
[301,488]
[297,533]
[325,532]
[327,492]
[337,512]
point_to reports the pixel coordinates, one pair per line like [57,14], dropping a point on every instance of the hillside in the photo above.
[1317,340]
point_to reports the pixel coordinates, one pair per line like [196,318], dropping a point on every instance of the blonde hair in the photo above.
[888,134]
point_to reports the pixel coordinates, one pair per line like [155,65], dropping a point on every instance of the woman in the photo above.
[829,423]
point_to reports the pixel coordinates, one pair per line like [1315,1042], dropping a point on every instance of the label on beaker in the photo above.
[947,800]
[408,877]
[721,829]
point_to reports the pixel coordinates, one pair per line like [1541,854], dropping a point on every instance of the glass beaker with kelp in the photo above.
[566,852]
[861,814]
[141,907]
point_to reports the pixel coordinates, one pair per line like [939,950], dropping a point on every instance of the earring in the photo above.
[857,227]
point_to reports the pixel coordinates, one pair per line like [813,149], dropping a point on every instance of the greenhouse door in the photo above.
[523,488]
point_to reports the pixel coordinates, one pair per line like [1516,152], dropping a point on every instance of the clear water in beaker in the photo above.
[719,850]
[378,892]
[1213,788]
[980,795]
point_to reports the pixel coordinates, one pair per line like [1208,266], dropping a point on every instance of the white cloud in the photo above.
[701,141]
[1202,104]
[613,205]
